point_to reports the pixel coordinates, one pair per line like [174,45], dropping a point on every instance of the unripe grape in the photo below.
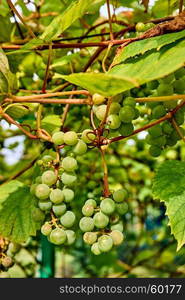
[114,108]
[95,249]
[179,117]
[98,99]
[87,210]
[7,262]
[69,164]
[101,111]
[149,25]
[127,114]
[91,202]
[33,188]
[122,208]
[167,79]
[58,138]
[68,219]
[120,195]
[152,85]
[45,205]
[130,101]
[80,148]
[47,158]
[167,128]
[117,226]
[154,151]
[59,210]
[58,236]
[170,104]
[90,237]
[159,141]
[49,177]
[164,89]
[113,121]
[42,191]
[105,243]
[100,220]
[38,215]
[70,138]
[86,224]
[158,111]
[117,237]
[140,27]
[179,86]
[107,206]
[126,129]
[88,136]
[68,195]
[56,196]
[38,179]
[68,178]
[117,98]
[46,229]
[40,162]
[71,237]
[155,131]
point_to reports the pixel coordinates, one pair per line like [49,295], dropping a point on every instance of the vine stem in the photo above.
[52,100]
[110,20]
[180,6]
[106,191]
[20,18]
[161,98]
[175,125]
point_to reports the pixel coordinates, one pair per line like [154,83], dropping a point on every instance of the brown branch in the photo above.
[175,125]
[110,20]
[49,100]
[181,5]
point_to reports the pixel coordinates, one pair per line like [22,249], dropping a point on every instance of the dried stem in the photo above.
[106,191]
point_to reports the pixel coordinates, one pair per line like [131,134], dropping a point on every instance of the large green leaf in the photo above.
[169,180]
[140,47]
[176,214]
[16,221]
[169,186]
[147,67]
[7,189]
[7,78]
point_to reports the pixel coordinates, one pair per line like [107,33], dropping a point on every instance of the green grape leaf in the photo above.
[140,47]
[51,122]
[135,71]
[7,189]
[7,78]
[16,221]
[169,180]
[176,212]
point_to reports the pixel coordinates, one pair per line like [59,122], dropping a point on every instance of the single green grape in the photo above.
[113,121]
[86,224]
[98,99]
[114,108]
[120,195]
[46,229]
[59,209]
[38,179]
[105,243]
[91,202]
[56,196]
[158,111]
[80,148]
[58,236]
[170,104]
[117,226]
[122,208]
[101,111]
[37,215]
[100,220]
[68,219]
[167,128]
[117,237]
[47,158]
[42,191]
[70,138]
[152,85]
[127,114]
[140,27]
[107,206]
[88,210]
[68,178]
[49,177]
[178,86]
[126,129]
[88,136]
[155,131]
[90,237]
[45,205]
[68,195]
[58,138]
[179,117]
[69,164]
[71,237]
[95,249]
[154,151]
[130,101]
[164,89]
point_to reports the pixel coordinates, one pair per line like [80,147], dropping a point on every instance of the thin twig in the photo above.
[175,125]
[110,20]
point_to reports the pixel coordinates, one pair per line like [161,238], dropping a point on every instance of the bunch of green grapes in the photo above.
[7,253]
[102,224]
[121,113]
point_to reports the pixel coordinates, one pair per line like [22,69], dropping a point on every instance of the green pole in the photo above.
[48,258]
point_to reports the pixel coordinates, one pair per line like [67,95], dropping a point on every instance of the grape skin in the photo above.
[90,237]
[95,249]
[58,138]
[45,205]
[59,210]
[120,195]
[68,178]
[68,195]
[87,210]
[58,236]
[68,219]
[107,206]
[71,237]
[117,237]
[42,191]
[46,229]
[80,148]
[86,224]
[105,243]
[56,196]
[70,138]
[49,178]
[69,164]
[100,220]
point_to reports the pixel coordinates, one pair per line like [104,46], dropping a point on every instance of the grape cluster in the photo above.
[102,224]
[120,115]
[7,252]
